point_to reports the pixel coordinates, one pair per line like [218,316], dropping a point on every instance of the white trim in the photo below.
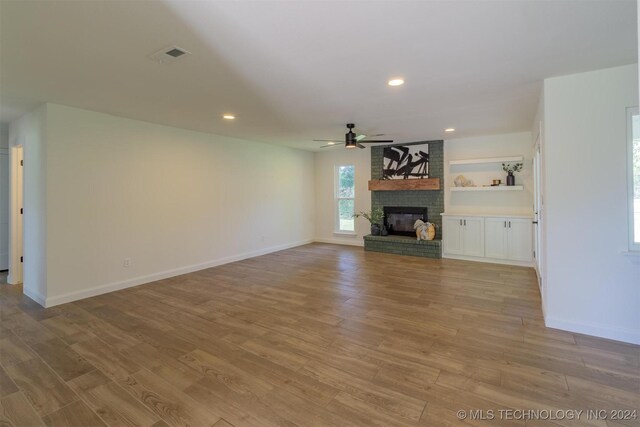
[36,296]
[486,160]
[489,215]
[136,281]
[16,220]
[489,260]
[626,335]
[349,242]
[633,245]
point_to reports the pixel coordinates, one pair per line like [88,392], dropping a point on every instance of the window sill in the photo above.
[345,233]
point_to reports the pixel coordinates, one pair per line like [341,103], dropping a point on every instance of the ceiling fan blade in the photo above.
[360,145]
[326,140]
[378,141]
[331,145]
[360,137]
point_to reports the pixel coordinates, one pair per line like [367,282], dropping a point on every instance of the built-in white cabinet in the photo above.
[463,235]
[502,239]
[508,238]
[495,238]
[519,239]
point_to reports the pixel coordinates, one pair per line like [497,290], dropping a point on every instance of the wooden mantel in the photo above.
[404,184]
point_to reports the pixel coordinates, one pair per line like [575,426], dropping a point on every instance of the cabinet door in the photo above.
[452,235]
[519,239]
[495,238]
[473,236]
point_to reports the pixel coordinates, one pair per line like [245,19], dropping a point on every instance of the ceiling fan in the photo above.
[351,140]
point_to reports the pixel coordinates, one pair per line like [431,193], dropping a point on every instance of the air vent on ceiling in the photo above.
[169,54]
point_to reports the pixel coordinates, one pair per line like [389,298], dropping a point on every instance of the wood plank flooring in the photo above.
[318,335]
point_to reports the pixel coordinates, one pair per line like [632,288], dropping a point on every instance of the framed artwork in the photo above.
[406,161]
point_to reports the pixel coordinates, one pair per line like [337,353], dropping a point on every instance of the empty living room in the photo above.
[319,213]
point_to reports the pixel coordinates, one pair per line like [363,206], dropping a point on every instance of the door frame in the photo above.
[538,212]
[5,151]
[16,220]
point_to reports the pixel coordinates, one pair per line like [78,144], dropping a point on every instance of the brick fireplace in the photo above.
[432,200]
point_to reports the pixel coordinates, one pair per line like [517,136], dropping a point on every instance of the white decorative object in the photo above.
[460,181]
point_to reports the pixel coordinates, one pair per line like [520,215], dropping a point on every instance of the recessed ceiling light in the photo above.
[228,117]
[330,143]
[395,82]
[450,130]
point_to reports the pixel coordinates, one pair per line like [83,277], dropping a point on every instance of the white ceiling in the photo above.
[293,71]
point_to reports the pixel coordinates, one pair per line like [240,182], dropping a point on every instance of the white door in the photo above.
[495,238]
[4,209]
[452,235]
[519,239]
[473,236]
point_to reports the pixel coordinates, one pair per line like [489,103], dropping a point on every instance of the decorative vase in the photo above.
[511,180]
[375,230]
[384,231]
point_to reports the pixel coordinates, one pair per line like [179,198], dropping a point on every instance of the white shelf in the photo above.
[486,160]
[496,188]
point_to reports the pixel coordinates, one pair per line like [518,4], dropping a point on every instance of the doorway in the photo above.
[4,212]
[538,213]
[16,197]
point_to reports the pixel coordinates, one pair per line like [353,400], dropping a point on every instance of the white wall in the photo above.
[325,163]
[499,202]
[592,286]
[29,132]
[172,200]
[4,135]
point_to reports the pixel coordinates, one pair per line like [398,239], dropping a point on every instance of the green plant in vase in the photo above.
[375,216]
[510,169]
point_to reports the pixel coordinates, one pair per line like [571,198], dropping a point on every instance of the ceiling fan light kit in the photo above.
[351,140]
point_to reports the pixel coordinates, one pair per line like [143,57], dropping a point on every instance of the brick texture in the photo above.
[432,199]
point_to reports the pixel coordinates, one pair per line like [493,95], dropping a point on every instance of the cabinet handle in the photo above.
[505,224]
[460,223]
[509,224]
[465,222]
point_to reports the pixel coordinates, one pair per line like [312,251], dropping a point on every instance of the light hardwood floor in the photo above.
[315,335]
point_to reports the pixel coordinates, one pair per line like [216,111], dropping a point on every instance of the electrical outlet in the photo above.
[127,262]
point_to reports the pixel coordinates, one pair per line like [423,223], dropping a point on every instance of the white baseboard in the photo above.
[36,296]
[136,281]
[625,335]
[350,242]
[489,260]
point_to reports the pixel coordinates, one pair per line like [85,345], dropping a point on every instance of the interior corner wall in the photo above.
[593,287]
[497,202]
[325,163]
[29,131]
[170,200]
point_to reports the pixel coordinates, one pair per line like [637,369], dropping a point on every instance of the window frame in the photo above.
[337,198]
[633,245]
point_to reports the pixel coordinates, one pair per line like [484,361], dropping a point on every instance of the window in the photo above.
[633,136]
[345,194]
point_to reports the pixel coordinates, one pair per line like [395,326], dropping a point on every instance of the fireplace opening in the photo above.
[399,220]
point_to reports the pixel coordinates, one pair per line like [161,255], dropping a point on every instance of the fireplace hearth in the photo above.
[399,220]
